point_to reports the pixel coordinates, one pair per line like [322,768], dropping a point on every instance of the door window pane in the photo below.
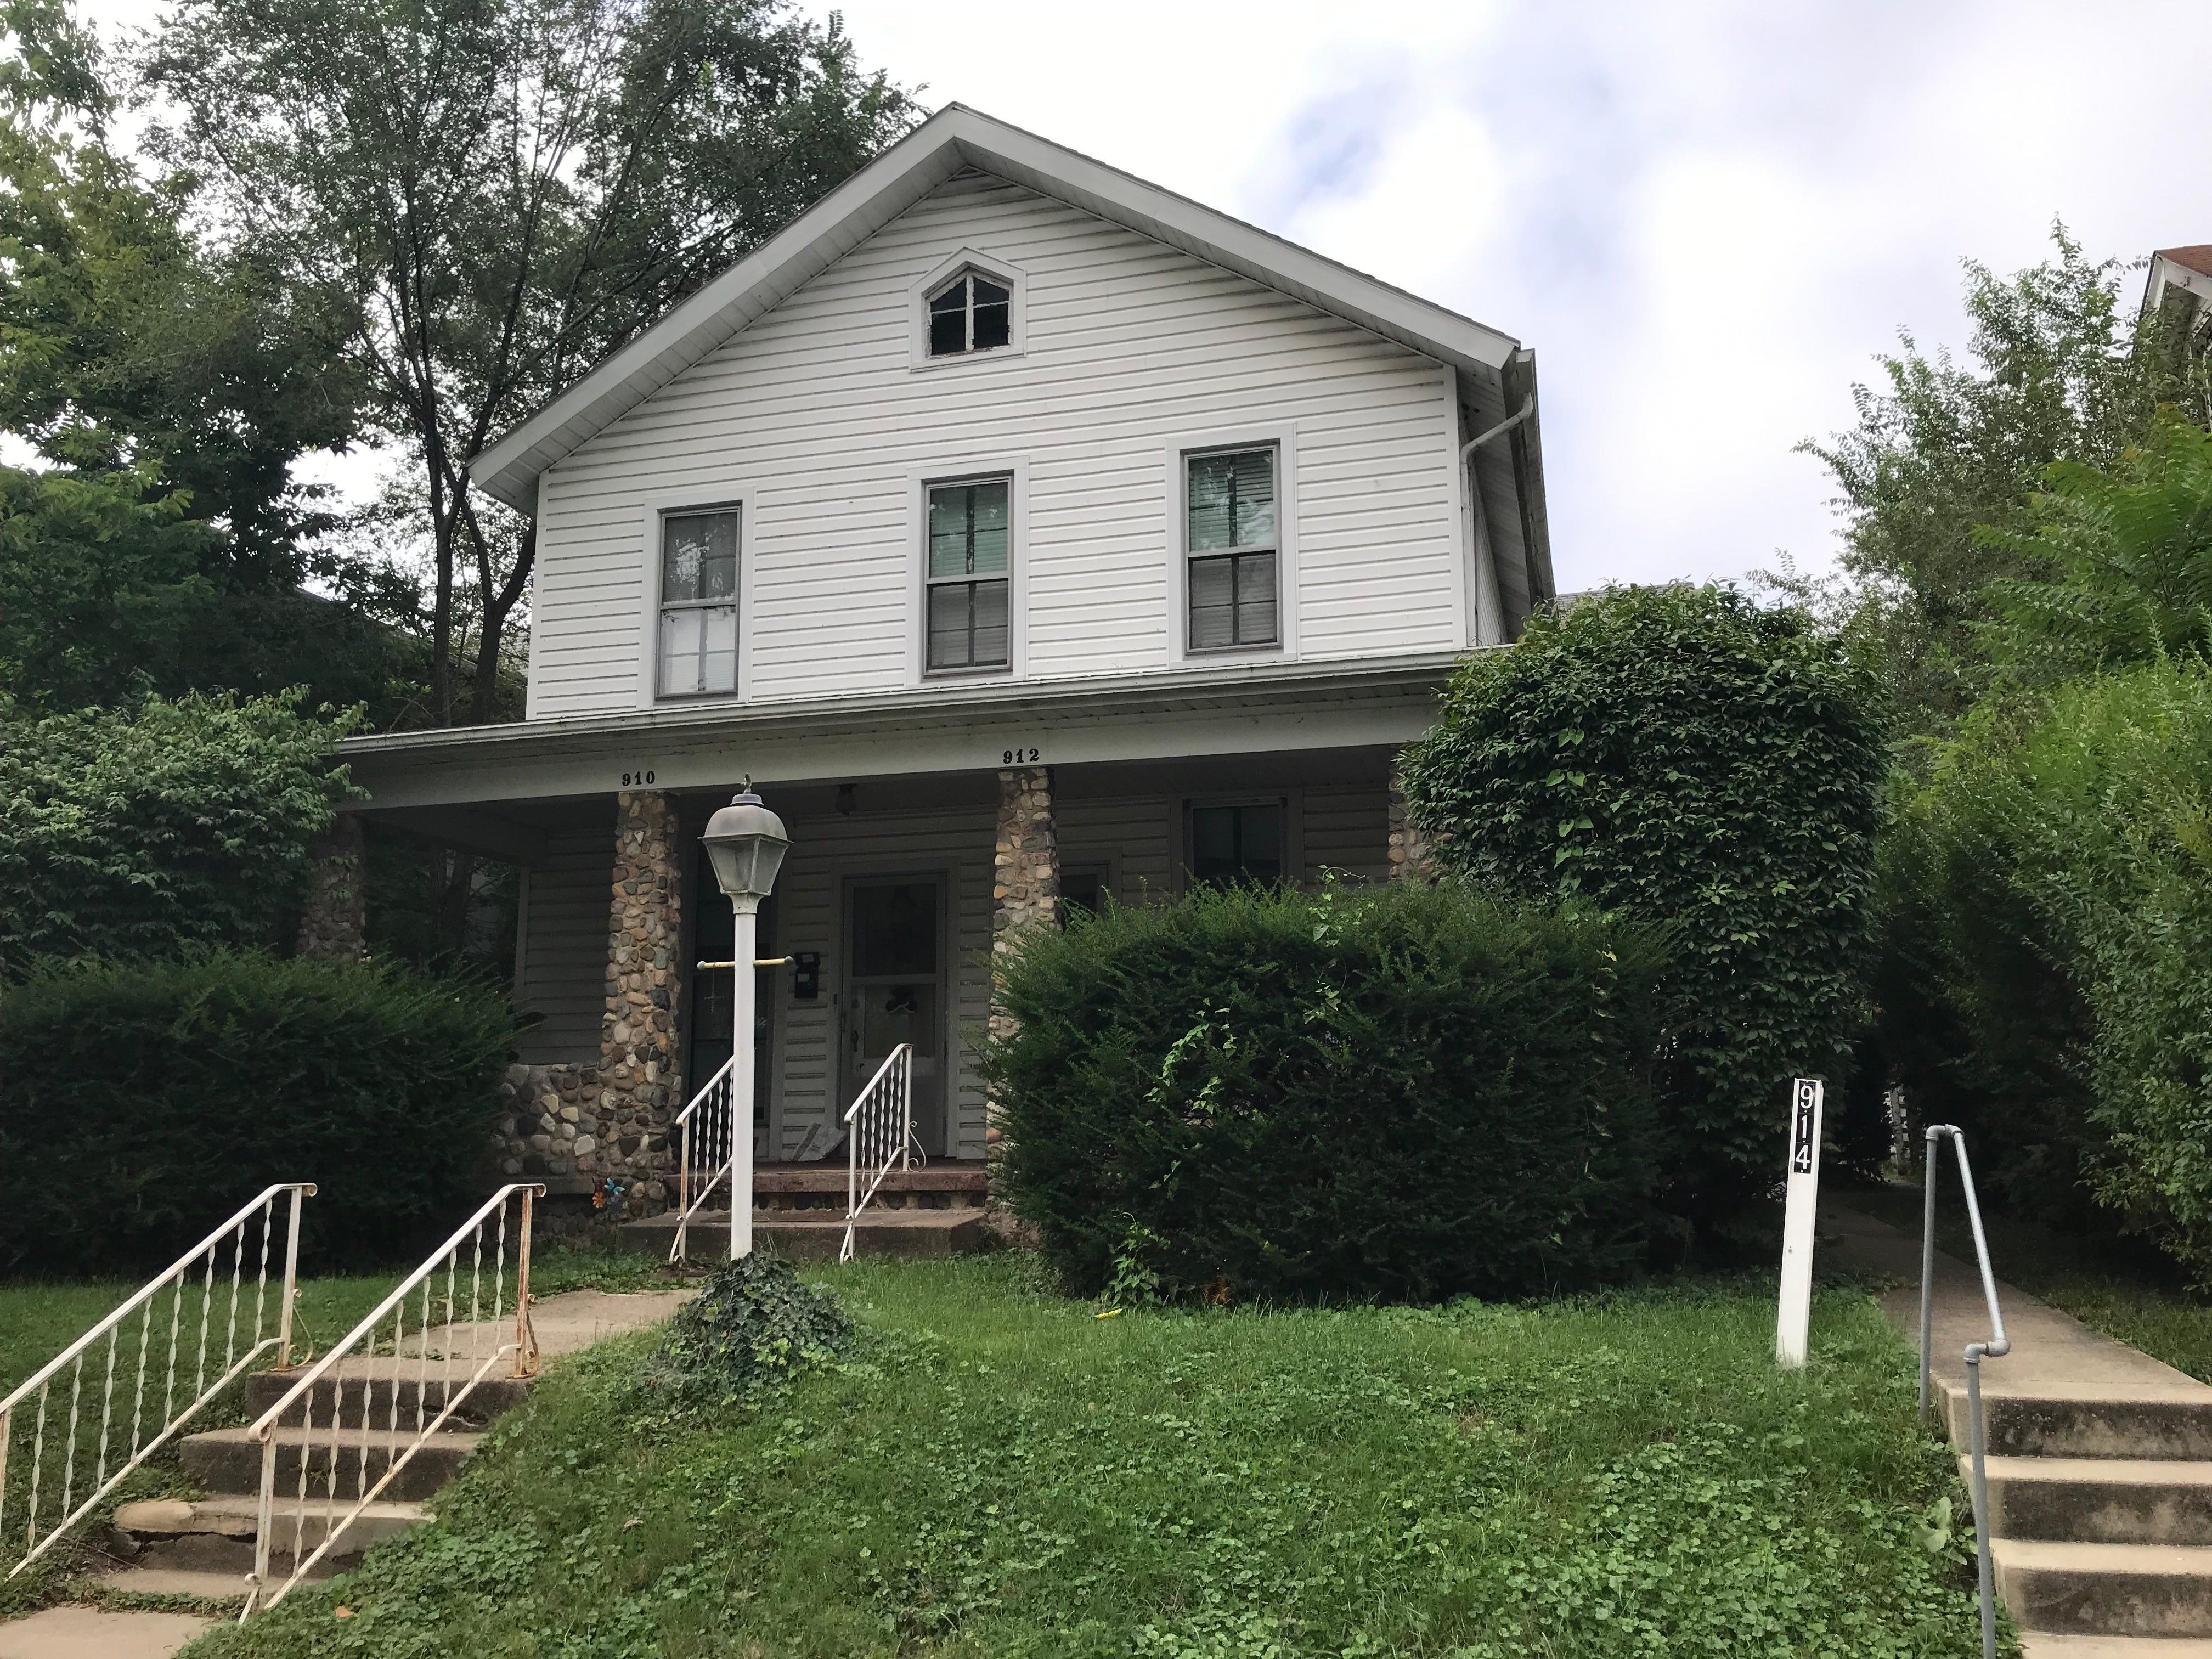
[895,930]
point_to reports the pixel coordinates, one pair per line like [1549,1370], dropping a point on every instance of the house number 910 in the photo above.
[1019,757]
[633,780]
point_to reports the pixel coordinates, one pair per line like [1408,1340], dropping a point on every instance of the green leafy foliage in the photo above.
[2058,369]
[2132,550]
[2068,843]
[754,1324]
[145,831]
[1007,1475]
[176,1089]
[1406,1093]
[1684,758]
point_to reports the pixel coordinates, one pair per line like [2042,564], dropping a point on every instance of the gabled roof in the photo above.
[954,138]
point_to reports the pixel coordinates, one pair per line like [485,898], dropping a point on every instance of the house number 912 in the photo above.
[633,780]
[1019,757]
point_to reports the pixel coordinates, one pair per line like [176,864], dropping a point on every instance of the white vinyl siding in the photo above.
[1127,343]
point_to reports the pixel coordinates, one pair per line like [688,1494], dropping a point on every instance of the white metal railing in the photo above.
[879,1135]
[433,1334]
[707,1135]
[190,1291]
[1994,1347]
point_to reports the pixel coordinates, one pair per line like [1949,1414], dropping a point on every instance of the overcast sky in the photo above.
[1705,216]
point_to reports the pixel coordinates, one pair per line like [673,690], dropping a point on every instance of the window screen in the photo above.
[971,557]
[970,313]
[699,603]
[1232,543]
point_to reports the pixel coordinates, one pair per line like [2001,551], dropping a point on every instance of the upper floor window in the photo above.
[971,312]
[699,602]
[969,547]
[1232,546]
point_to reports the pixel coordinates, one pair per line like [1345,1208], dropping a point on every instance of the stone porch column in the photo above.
[1412,856]
[1025,875]
[333,925]
[641,1076]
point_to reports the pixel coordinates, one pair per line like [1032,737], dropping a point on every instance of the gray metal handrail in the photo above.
[1996,1347]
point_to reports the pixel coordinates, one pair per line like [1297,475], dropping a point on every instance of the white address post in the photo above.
[1800,1200]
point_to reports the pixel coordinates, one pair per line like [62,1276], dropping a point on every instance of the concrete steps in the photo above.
[819,1235]
[2100,1464]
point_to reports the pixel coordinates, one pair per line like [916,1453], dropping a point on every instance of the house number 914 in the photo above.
[635,780]
[1019,757]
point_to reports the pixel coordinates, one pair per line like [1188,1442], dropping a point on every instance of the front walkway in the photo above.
[2099,1460]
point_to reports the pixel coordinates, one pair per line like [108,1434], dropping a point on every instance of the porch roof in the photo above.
[970,726]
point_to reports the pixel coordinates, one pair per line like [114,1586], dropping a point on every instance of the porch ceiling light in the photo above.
[746,841]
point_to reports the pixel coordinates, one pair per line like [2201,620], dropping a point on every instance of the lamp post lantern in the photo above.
[746,843]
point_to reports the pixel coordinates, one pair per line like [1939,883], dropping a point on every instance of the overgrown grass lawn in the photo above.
[998,1472]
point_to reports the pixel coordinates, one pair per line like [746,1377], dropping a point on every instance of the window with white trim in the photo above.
[699,603]
[971,312]
[1232,549]
[969,567]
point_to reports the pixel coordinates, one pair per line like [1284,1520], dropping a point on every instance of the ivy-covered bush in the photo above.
[754,1324]
[1406,1093]
[147,831]
[145,1101]
[1682,757]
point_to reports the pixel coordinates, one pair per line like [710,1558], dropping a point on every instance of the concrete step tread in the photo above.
[2103,1471]
[819,1218]
[2052,1644]
[176,1580]
[2049,1555]
[969,1177]
[237,1515]
[348,1438]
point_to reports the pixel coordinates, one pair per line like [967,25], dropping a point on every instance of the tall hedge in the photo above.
[152,829]
[146,1101]
[1406,1094]
[1681,755]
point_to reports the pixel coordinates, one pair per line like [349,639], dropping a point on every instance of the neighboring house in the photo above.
[2180,277]
[1028,534]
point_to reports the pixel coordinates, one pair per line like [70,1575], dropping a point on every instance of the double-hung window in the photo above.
[1233,549]
[969,566]
[699,603]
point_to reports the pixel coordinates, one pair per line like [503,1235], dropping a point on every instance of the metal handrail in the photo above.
[367,1336]
[722,1087]
[233,1363]
[1996,1347]
[895,1077]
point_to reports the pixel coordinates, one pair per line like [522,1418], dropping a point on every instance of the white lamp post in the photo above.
[746,841]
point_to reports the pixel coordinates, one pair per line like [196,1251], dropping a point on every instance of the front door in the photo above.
[895,989]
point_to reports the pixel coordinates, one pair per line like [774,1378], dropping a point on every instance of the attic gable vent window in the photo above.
[971,312]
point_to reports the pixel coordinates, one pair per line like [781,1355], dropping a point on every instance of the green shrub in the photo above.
[1412,1093]
[2071,837]
[755,1323]
[1682,757]
[145,1101]
[148,831]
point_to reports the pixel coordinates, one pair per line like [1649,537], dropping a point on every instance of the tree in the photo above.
[2131,551]
[486,196]
[2058,372]
[1684,758]
[160,542]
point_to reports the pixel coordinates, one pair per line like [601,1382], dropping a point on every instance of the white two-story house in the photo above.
[1027,534]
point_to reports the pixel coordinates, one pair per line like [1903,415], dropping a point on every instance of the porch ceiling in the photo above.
[509,772]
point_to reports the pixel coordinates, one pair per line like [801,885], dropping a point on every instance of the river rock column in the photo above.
[1025,877]
[333,925]
[641,1079]
[1412,857]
